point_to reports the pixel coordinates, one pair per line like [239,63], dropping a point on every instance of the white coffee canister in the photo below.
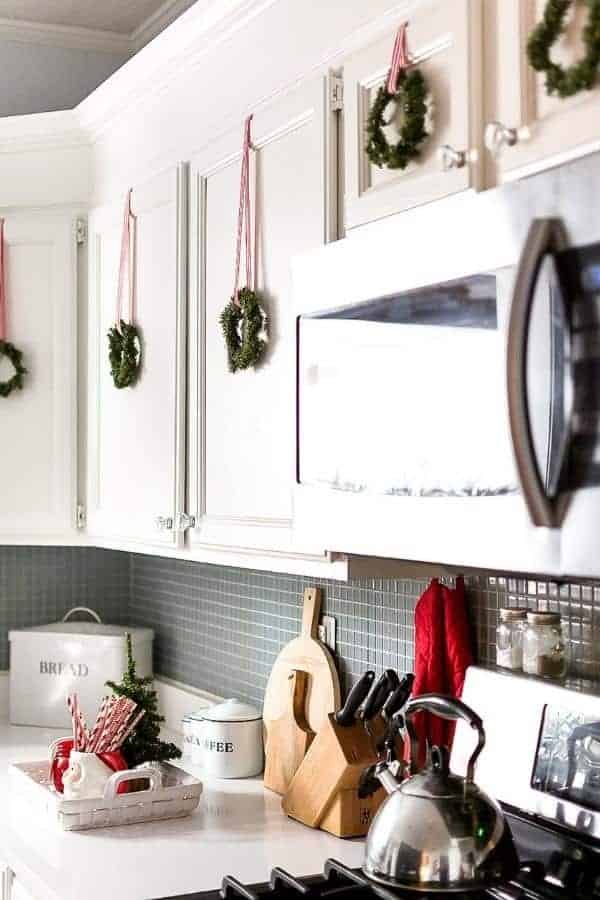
[232,740]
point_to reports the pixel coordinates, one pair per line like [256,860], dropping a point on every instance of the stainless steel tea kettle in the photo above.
[437,831]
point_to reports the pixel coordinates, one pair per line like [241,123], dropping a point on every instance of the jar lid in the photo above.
[512,613]
[543,618]
[232,711]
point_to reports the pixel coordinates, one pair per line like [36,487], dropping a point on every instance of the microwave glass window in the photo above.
[406,394]
[567,763]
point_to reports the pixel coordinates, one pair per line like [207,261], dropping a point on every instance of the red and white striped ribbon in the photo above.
[244,216]
[126,269]
[3,315]
[400,58]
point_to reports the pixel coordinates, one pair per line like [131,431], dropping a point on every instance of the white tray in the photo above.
[172,794]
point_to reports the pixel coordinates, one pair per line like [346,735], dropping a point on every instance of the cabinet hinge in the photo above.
[81,231]
[184,522]
[336,93]
[80,516]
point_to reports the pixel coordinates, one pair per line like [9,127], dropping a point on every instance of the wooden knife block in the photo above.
[324,791]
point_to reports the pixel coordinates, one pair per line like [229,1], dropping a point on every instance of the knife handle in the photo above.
[374,702]
[347,714]
[399,697]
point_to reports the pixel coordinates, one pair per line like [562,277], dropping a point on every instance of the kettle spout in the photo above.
[387,778]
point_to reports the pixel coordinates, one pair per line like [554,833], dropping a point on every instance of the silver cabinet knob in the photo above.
[498,136]
[451,158]
[184,521]
[164,523]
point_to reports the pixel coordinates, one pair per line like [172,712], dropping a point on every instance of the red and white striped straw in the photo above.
[400,58]
[121,711]
[126,729]
[99,724]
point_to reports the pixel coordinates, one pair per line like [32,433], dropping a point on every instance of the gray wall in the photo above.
[39,584]
[38,78]
[220,628]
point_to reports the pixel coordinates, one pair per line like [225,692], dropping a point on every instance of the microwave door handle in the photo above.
[545,236]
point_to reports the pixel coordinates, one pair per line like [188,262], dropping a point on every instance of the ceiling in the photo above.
[124,17]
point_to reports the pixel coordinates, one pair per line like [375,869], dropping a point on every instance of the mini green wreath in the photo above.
[411,97]
[244,328]
[125,354]
[582,75]
[14,356]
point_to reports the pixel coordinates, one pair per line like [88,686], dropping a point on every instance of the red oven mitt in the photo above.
[442,655]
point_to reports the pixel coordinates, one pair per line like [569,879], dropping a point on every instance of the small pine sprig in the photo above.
[144,744]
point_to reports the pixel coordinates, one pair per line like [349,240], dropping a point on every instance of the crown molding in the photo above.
[65,36]
[203,27]
[40,131]
[157,22]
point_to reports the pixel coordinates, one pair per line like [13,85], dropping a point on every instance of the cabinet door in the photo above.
[445,42]
[38,472]
[548,130]
[242,426]
[136,435]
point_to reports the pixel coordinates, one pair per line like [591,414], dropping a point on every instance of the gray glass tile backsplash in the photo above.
[220,628]
[40,584]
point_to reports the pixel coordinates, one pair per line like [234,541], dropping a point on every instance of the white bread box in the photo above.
[51,661]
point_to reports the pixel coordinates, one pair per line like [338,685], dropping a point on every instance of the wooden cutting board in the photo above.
[306,654]
[289,737]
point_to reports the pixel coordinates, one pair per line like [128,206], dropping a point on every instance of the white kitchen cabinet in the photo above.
[529,129]
[136,435]
[445,41]
[38,474]
[242,425]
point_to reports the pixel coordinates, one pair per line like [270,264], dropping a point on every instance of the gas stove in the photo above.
[541,762]
[554,866]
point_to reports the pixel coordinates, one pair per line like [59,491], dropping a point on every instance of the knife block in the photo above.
[324,791]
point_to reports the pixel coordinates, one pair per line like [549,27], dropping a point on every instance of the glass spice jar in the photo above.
[544,649]
[509,638]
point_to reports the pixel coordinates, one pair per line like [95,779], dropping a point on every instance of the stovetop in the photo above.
[554,866]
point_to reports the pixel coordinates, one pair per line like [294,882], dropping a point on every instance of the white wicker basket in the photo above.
[172,794]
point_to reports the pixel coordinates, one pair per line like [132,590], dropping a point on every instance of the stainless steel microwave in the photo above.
[448,381]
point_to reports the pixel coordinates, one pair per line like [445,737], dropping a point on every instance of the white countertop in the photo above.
[238,829]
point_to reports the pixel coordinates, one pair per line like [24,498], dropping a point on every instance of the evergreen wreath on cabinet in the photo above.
[7,350]
[408,91]
[582,75]
[124,340]
[244,322]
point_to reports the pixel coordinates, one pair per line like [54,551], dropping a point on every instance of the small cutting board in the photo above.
[306,654]
[289,737]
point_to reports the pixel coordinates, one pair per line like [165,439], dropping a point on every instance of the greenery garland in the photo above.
[124,354]
[582,75]
[244,326]
[14,356]
[411,97]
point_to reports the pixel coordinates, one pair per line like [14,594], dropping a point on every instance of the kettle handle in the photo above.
[446,708]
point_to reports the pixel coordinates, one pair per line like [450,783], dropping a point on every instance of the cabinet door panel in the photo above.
[38,476]
[243,424]
[135,434]
[445,43]
[550,129]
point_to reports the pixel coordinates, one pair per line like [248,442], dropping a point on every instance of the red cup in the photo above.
[59,763]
